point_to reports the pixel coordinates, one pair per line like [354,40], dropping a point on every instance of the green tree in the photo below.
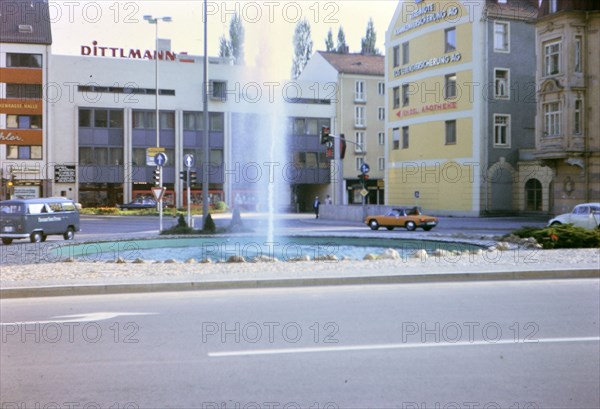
[234,46]
[369,41]
[303,46]
[342,47]
[329,45]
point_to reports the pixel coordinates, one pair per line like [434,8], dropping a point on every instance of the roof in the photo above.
[361,64]
[526,10]
[25,22]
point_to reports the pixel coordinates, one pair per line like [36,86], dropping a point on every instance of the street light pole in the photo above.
[205,153]
[154,20]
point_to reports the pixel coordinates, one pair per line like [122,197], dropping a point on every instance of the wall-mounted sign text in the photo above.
[426,108]
[424,15]
[129,53]
[431,62]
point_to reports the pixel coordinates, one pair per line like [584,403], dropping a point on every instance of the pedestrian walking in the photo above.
[316,205]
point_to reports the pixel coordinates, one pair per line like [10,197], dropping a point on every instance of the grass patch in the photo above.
[562,236]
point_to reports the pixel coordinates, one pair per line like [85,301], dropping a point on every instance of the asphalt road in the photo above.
[529,344]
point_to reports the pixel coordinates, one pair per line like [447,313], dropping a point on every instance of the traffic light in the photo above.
[183,176]
[156,176]
[193,177]
[325,136]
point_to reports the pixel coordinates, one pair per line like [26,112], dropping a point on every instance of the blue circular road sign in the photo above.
[364,168]
[160,159]
[188,160]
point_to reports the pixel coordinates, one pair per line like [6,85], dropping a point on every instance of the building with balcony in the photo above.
[25,46]
[568,101]
[355,85]
[461,103]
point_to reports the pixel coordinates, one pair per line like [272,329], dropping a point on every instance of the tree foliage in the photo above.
[303,46]
[369,41]
[329,45]
[342,47]
[234,46]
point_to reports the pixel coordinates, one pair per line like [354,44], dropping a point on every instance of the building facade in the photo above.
[355,84]
[461,101]
[25,48]
[568,108]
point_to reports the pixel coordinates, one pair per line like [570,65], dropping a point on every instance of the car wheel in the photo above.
[374,225]
[390,228]
[36,237]
[6,241]
[411,226]
[427,228]
[69,234]
[556,224]
[44,237]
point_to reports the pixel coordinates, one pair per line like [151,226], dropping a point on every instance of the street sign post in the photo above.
[365,168]
[158,192]
[160,160]
[188,161]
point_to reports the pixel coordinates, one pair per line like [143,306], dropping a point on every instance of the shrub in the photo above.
[220,206]
[209,225]
[562,236]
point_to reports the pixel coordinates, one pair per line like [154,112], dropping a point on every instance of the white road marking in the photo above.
[375,347]
[93,316]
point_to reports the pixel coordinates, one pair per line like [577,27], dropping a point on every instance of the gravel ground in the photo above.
[103,273]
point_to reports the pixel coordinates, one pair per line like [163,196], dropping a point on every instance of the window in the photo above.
[533,192]
[381,113]
[396,56]
[553,6]
[381,163]
[552,58]
[23,121]
[299,126]
[502,130]
[405,56]
[359,162]
[216,121]
[405,93]
[359,116]
[405,136]
[360,142]
[100,118]
[381,138]
[24,91]
[85,118]
[23,60]
[167,120]
[381,88]
[312,127]
[359,90]
[501,83]
[501,36]
[23,152]
[311,160]
[116,118]
[552,119]
[193,121]
[218,90]
[396,138]
[578,61]
[138,156]
[144,120]
[450,39]
[450,132]
[578,117]
[396,97]
[450,86]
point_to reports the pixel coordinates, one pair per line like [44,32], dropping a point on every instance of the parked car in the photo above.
[409,218]
[36,219]
[586,215]
[139,203]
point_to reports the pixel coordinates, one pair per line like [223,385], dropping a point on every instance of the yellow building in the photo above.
[460,124]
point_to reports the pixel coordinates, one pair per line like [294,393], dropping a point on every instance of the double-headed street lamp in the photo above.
[154,20]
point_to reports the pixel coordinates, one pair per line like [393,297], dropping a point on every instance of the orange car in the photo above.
[410,218]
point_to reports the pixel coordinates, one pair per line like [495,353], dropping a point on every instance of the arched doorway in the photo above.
[533,195]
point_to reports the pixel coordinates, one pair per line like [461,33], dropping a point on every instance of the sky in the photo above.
[269,25]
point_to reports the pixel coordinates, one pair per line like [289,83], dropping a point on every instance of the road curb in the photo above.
[74,290]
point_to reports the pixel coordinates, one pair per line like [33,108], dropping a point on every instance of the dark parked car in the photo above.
[139,203]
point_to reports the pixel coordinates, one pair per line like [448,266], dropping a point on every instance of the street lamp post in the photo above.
[154,20]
